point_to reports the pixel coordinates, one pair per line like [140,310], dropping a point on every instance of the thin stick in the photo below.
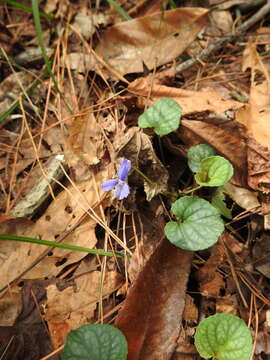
[216,45]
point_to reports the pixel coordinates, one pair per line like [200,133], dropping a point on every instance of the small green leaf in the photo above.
[218,201]
[215,171]
[95,342]
[223,337]
[196,154]
[200,225]
[163,116]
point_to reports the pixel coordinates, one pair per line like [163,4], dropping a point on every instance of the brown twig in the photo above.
[216,45]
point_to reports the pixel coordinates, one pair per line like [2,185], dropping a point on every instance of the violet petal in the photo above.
[109,184]
[124,169]
[121,190]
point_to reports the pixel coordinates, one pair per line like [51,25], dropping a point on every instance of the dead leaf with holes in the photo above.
[66,215]
[74,306]
[128,45]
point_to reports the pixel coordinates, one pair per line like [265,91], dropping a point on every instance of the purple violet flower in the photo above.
[120,185]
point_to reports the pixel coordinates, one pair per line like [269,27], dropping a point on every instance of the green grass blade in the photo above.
[38,27]
[21,6]
[59,245]
[120,10]
[41,42]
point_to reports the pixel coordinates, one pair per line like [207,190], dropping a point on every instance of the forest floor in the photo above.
[76,80]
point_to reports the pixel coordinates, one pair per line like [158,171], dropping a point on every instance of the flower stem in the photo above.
[166,193]
[144,176]
[191,190]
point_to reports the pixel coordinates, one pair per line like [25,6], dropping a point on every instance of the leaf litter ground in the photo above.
[58,148]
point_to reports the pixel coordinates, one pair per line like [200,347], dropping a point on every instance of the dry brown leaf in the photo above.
[245,198]
[145,7]
[210,280]
[261,254]
[85,142]
[255,119]
[86,24]
[10,306]
[130,44]
[255,115]
[191,312]
[227,304]
[222,22]
[80,62]
[151,316]
[192,102]
[64,213]
[75,306]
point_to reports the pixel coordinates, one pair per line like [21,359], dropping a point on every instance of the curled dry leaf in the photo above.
[130,44]
[245,198]
[151,316]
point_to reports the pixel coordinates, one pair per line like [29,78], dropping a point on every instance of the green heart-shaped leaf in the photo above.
[215,171]
[163,116]
[196,154]
[200,225]
[95,342]
[223,337]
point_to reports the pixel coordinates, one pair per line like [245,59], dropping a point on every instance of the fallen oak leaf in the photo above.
[151,315]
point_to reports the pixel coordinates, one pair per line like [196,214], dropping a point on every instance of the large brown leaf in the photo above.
[192,102]
[255,119]
[152,313]
[126,46]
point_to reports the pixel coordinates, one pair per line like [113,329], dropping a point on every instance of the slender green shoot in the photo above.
[37,22]
[120,10]
[19,5]
[60,245]
[185,192]
[38,27]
